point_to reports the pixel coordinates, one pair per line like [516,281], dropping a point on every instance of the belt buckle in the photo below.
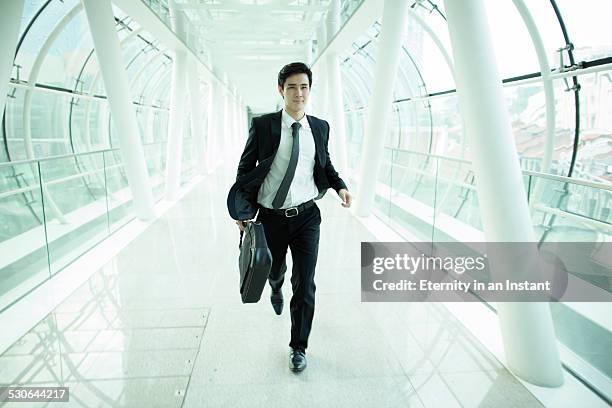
[287,212]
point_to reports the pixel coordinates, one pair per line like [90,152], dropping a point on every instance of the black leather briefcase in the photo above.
[255,262]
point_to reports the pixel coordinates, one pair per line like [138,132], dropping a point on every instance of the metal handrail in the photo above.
[58,157]
[66,156]
[73,94]
[571,180]
[563,179]
[458,183]
[455,159]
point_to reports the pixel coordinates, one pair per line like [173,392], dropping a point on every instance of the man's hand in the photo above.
[242,224]
[346,197]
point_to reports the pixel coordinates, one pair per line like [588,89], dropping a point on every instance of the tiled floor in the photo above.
[162,326]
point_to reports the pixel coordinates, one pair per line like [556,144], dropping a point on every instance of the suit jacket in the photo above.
[256,160]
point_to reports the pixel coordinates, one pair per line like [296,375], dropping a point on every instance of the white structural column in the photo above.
[237,124]
[234,119]
[10,18]
[212,120]
[527,331]
[231,128]
[308,52]
[106,43]
[434,37]
[178,90]
[219,123]
[336,99]
[197,123]
[223,130]
[88,104]
[322,105]
[242,131]
[241,123]
[174,152]
[239,132]
[549,90]
[320,84]
[210,125]
[27,105]
[379,106]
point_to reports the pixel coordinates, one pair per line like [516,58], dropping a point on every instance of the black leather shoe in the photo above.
[297,360]
[276,298]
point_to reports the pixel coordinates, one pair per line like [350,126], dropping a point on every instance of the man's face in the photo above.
[296,92]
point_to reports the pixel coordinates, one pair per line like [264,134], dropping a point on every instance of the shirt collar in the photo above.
[288,120]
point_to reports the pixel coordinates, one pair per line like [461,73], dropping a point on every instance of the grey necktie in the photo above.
[281,194]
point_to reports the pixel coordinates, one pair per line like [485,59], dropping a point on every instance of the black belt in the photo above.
[289,212]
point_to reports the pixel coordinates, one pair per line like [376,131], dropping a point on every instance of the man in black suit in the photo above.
[285,166]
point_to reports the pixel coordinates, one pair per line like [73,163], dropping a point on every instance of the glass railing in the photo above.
[55,209]
[433,199]
[438,190]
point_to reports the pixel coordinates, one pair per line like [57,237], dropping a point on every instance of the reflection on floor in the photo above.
[162,326]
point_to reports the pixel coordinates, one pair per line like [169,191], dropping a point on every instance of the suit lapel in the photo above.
[275,131]
[318,139]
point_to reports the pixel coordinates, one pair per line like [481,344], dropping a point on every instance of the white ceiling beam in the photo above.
[210,38]
[151,22]
[253,52]
[253,8]
[269,22]
[251,49]
[368,12]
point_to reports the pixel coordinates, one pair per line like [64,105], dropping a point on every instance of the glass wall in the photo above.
[426,188]
[56,208]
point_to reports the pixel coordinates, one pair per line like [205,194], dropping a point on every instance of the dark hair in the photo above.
[292,69]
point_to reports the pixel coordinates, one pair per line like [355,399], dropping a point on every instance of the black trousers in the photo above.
[301,235]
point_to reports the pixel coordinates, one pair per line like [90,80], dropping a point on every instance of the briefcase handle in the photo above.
[242,232]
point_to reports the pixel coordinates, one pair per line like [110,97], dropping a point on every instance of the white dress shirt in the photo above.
[303,187]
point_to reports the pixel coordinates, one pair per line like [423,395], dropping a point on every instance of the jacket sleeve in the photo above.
[332,175]
[248,160]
